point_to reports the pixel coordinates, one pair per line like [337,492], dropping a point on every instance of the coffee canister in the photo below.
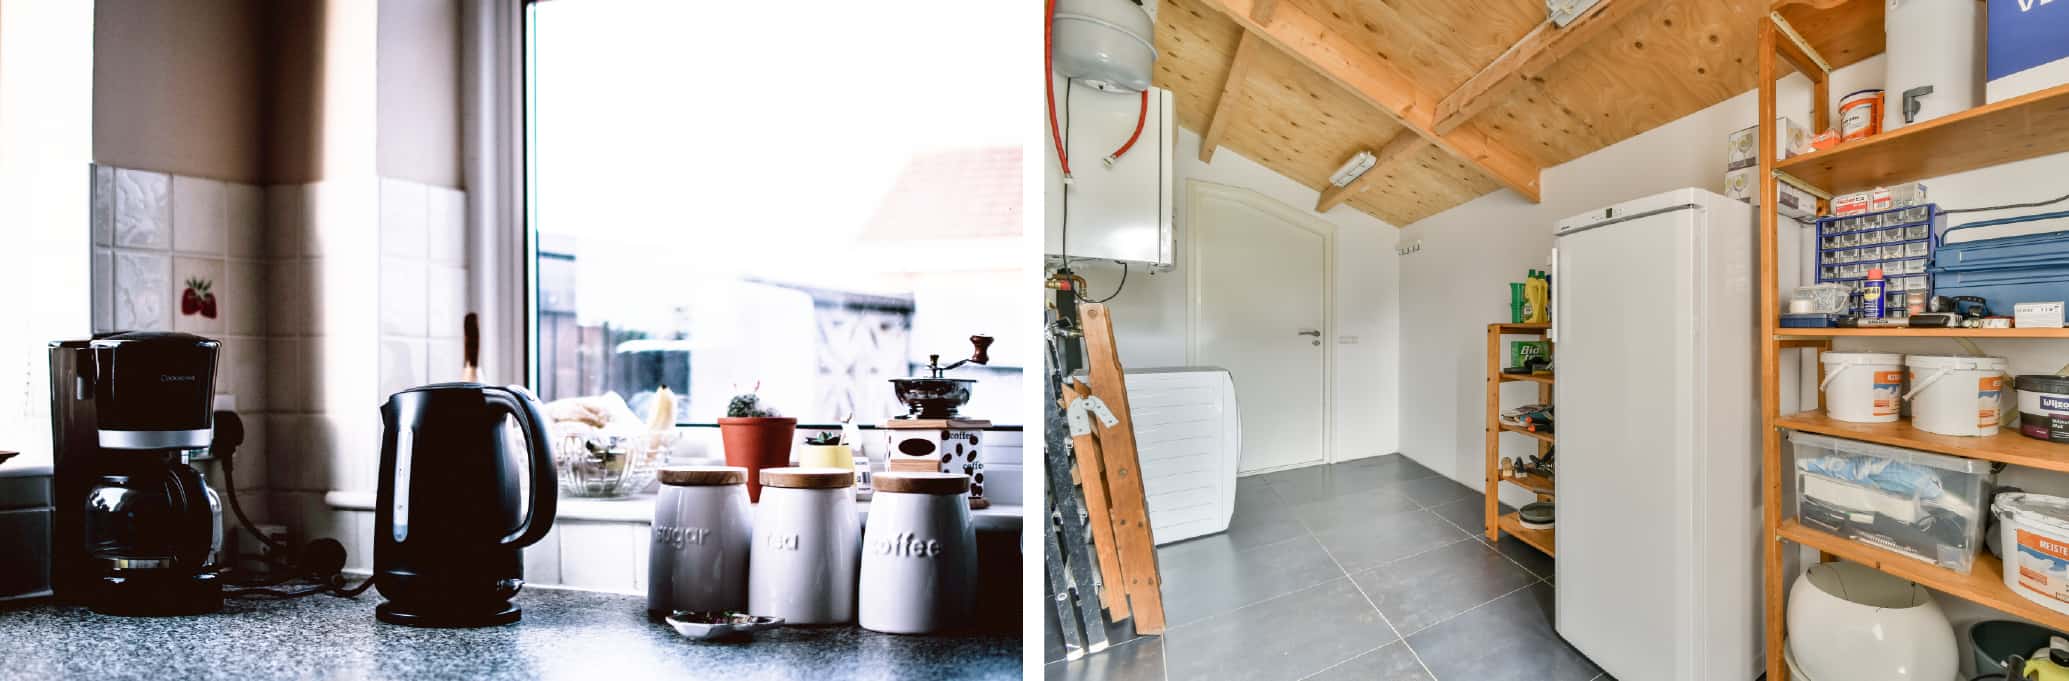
[919,554]
[807,540]
[698,556]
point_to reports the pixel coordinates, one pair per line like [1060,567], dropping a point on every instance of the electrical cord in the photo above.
[1117,289]
[322,558]
[2008,206]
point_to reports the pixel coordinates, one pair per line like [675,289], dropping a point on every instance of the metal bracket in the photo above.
[1801,44]
[1083,409]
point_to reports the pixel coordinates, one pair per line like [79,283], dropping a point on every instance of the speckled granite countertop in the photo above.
[564,635]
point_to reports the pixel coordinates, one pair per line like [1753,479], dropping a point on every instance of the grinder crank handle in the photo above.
[983,345]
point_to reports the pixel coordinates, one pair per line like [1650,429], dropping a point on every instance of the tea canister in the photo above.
[919,554]
[701,533]
[807,539]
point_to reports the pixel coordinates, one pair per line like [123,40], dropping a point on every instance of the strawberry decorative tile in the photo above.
[194,299]
[197,299]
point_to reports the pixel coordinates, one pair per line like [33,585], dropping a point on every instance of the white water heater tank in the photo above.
[1104,43]
[1935,67]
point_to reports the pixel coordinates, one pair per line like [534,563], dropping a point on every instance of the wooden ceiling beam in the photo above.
[1262,11]
[1314,43]
[1231,91]
[1528,59]
[1401,145]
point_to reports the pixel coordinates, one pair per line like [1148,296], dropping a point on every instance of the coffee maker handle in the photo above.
[190,493]
[538,519]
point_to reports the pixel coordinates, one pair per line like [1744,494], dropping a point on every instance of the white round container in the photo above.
[2033,533]
[807,540]
[919,554]
[1956,395]
[1853,623]
[1862,387]
[698,556]
[1940,51]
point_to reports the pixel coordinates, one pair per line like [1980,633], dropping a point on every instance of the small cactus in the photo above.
[749,405]
[823,438]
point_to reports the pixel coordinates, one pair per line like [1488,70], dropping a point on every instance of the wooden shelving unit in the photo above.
[1813,37]
[1497,522]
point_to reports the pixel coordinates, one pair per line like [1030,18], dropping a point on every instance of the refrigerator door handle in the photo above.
[1553,333]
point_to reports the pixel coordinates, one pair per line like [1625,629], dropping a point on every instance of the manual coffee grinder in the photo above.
[933,436]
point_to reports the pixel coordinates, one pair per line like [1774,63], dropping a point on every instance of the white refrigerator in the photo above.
[1658,569]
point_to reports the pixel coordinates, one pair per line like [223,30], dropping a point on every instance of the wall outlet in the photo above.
[1410,247]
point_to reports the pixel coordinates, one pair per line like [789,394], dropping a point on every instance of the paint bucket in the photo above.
[2034,530]
[2044,407]
[1860,115]
[1862,387]
[1955,394]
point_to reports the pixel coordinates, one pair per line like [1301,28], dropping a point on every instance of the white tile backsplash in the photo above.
[143,209]
[197,216]
[447,224]
[292,286]
[143,288]
[445,301]
[244,214]
[403,304]
[241,371]
[196,307]
[542,560]
[403,211]
[241,296]
[103,290]
[290,382]
[613,541]
[403,364]
[102,193]
[287,220]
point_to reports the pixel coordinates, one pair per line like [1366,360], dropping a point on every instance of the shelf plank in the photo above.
[1533,378]
[1531,482]
[2015,129]
[1521,431]
[1842,32]
[1983,585]
[1522,329]
[1907,332]
[2006,446]
[1541,540]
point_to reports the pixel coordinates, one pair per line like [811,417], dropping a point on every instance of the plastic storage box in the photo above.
[2030,266]
[1928,506]
[1900,241]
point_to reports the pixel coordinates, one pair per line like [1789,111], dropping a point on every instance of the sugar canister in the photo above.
[807,539]
[919,554]
[701,534]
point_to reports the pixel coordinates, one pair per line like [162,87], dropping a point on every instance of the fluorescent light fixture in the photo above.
[1353,168]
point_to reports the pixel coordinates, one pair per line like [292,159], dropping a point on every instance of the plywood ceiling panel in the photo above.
[1667,60]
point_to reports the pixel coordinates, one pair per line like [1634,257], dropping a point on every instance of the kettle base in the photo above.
[394,614]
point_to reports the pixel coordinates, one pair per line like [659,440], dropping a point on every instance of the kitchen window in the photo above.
[675,242]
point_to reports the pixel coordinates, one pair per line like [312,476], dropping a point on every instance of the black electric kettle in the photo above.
[450,517]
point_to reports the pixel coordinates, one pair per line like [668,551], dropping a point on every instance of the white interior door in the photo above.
[1260,281]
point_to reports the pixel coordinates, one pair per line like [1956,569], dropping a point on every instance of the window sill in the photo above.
[640,510]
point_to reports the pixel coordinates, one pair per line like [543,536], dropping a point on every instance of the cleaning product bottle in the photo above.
[1543,303]
[1871,294]
[1516,304]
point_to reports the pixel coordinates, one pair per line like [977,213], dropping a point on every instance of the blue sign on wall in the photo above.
[2026,33]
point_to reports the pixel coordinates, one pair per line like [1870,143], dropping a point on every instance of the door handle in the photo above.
[1311,332]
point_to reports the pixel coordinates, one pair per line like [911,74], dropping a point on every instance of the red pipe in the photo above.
[1049,84]
[1141,116]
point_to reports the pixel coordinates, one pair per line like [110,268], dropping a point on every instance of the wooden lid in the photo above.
[696,476]
[921,483]
[808,478]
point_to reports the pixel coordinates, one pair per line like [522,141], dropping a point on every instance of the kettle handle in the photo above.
[538,519]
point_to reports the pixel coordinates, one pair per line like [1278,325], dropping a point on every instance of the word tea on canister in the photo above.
[919,554]
[950,446]
[701,532]
[807,541]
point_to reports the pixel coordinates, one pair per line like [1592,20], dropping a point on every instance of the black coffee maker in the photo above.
[451,514]
[138,531]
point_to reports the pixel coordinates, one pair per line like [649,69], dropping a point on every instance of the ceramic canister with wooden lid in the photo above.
[701,533]
[919,554]
[807,539]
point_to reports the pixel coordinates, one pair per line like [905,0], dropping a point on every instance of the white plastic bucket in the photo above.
[1956,395]
[1862,387]
[2033,531]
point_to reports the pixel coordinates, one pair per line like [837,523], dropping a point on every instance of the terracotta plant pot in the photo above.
[755,443]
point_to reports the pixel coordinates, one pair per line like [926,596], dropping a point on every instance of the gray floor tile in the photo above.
[1468,514]
[1392,662]
[1284,638]
[1434,491]
[1139,660]
[1211,582]
[1351,510]
[1388,537]
[1428,588]
[1528,556]
[1510,639]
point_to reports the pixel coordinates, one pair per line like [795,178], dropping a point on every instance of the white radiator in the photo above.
[1189,438]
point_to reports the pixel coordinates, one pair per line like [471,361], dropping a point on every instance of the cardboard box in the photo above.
[1742,148]
[1744,184]
[2037,315]
[2026,52]
[1879,199]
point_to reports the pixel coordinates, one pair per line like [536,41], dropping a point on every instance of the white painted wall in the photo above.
[1150,314]
[1457,283]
